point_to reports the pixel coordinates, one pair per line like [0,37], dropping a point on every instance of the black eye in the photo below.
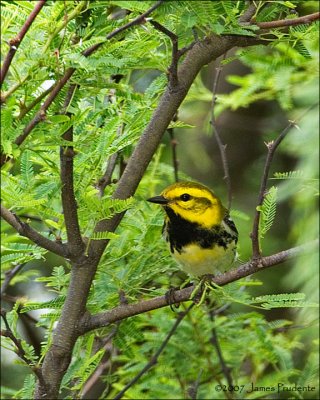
[185,197]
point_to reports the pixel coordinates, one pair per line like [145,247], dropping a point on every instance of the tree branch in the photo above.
[193,388]
[26,109]
[25,229]
[20,350]
[215,342]
[94,378]
[222,147]
[174,143]
[175,161]
[99,320]
[107,176]
[305,19]
[271,146]
[69,203]
[248,14]
[41,114]
[15,42]
[199,55]
[9,275]
[154,359]
[173,69]
[138,20]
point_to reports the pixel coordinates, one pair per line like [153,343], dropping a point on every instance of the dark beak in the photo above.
[158,200]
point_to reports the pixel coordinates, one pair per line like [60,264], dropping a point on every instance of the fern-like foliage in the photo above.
[267,212]
[117,90]
[289,175]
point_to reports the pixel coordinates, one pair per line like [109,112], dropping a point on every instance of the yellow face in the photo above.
[194,202]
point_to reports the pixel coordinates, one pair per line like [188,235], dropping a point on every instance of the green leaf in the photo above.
[267,212]
[103,236]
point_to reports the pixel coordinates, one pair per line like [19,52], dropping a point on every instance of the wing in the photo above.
[230,227]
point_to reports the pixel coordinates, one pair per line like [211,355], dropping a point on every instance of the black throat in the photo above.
[180,232]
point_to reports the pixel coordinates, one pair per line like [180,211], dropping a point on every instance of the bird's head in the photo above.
[193,202]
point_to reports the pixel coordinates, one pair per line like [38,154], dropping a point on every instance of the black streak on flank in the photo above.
[181,233]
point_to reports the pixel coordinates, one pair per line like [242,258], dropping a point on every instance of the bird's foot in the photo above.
[170,298]
[202,288]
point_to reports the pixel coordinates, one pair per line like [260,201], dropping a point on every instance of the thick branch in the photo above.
[121,312]
[25,229]
[15,42]
[248,14]
[306,19]
[69,203]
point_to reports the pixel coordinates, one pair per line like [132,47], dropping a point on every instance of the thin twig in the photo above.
[175,161]
[221,146]
[91,382]
[104,363]
[41,114]
[13,300]
[215,342]
[9,275]
[19,348]
[174,143]
[271,146]
[15,42]
[154,358]
[67,18]
[69,203]
[37,100]
[305,19]
[107,176]
[106,179]
[193,388]
[118,313]
[25,229]
[138,20]
[173,69]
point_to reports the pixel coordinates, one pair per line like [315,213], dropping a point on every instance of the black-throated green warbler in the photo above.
[201,235]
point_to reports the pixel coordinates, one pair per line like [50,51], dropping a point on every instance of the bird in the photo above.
[201,235]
